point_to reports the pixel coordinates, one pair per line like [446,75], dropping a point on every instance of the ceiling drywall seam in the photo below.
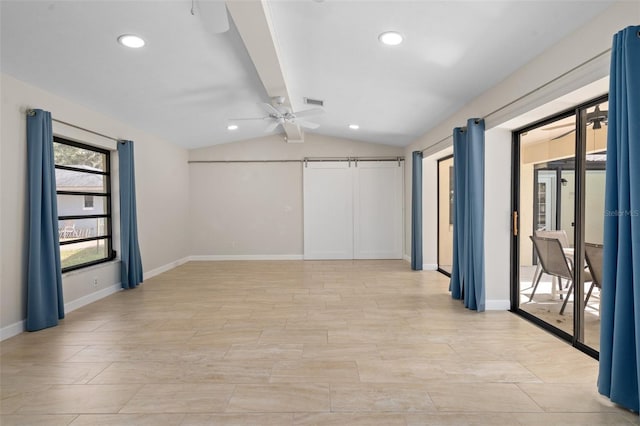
[253,24]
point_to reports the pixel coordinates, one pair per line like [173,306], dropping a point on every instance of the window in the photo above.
[88,202]
[83,188]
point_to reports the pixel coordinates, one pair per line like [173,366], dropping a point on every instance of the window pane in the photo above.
[79,253]
[594,214]
[75,205]
[67,155]
[88,202]
[70,180]
[82,228]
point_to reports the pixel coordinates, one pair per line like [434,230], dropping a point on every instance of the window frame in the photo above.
[107,216]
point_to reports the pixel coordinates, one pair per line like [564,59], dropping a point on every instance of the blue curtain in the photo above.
[459,180]
[467,275]
[45,305]
[416,212]
[131,263]
[619,377]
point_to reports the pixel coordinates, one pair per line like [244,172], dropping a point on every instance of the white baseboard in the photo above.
[497,305]
[20,326]
[12,330]
[218,257]
[90,298]
[164,268]
[425,266]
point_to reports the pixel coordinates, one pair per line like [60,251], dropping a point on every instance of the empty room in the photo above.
[319,212]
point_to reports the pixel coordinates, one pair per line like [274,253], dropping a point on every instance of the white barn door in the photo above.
[353,211]
[377,210]
[328,210]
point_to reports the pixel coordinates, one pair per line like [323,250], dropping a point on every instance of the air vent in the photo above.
[310,101]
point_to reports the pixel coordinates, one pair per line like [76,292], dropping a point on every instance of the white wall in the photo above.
[162,188]
[508,98]
[254,210]
[246,209]
[430,213]
[497,218]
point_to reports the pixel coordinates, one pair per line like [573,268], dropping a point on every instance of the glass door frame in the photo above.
[442,271]
[576,339]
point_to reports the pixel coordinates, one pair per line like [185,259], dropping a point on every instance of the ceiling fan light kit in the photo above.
[277,100]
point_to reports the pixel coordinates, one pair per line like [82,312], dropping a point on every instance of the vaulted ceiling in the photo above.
[190,80]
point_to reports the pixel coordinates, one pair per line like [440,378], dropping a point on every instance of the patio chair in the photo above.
[593,256]
[561,235]
[553,261]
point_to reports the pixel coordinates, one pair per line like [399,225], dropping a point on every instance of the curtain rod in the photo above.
[31,113]
[242,161]
[531,92]
[304,160]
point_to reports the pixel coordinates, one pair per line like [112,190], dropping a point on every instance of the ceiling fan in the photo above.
[279,115]
[595,118]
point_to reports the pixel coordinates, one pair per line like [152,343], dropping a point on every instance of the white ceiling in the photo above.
[188,82]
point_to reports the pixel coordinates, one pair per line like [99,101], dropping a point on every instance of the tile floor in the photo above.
[296,343]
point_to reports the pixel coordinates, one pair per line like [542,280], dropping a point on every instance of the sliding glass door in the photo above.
[558,209]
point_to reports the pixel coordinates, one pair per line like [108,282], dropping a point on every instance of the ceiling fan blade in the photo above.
[247,119]
[558,127]
[271,110]
[307,124]
[563,135]
[271,127]
[309,112]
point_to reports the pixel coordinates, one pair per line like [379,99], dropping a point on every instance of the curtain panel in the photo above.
[131,262]
[416,211]
[467,275]
[619,376]
[45,304]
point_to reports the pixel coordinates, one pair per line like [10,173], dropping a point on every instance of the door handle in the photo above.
[515,223]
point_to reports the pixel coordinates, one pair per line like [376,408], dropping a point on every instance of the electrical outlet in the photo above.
[95,282]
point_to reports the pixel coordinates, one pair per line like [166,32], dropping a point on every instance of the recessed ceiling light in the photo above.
[232,127]
[390,38]
[130,40]
[354,126]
